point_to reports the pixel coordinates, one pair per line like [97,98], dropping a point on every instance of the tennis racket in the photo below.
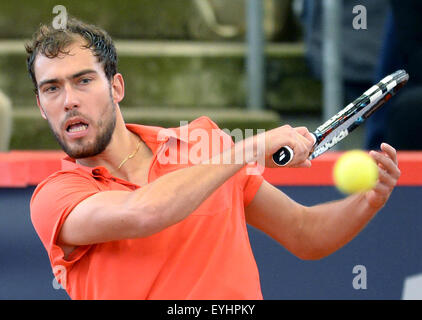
[352,116]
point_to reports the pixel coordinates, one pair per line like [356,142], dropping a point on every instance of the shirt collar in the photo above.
[153,136]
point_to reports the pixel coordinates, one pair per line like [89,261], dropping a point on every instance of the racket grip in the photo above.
[283,156]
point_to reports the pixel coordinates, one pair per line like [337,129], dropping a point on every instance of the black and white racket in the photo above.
[353,115]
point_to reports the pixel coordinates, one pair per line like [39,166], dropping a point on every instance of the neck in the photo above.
[123,144]
[130,156]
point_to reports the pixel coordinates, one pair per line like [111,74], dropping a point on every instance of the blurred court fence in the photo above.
[177,58]
[192,20]
[189,57]
[5,122]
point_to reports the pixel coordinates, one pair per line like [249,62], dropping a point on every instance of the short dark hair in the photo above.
[51,42]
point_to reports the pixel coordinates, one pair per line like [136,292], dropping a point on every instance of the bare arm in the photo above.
[317,231]
[115,215]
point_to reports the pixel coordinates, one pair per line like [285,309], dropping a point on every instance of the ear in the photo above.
[117,88]
[40,107]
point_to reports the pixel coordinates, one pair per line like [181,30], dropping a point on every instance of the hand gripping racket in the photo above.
[352,116]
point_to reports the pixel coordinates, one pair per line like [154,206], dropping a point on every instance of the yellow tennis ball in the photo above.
[355,171]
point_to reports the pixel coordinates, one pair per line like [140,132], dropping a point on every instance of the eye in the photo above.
[85,80]
[50,89]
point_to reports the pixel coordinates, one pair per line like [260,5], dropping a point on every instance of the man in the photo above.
[119,222]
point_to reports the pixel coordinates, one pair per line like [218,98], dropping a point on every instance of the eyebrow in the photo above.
[74,76]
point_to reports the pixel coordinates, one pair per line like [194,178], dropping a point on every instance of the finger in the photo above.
[305,143]
[380,159]
[303,136]
[300,153]
[306,164]
[294,139]
[390,151]
[387,163]
[381,188]
[304,132]
[278,138]
[386,179]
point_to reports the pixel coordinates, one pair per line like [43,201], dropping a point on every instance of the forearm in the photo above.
[328,227]
[174,196]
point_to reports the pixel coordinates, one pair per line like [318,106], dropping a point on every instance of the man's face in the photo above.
[75,97]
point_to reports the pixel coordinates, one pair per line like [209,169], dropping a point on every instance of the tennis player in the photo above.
[119,223]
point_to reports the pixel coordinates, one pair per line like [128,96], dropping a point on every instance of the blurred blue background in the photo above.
[389,249]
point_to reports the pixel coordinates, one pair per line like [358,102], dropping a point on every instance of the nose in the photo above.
[71,100]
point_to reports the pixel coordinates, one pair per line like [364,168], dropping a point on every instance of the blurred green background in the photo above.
[175,62]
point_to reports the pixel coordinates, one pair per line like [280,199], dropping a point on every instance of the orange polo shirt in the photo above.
[205,256]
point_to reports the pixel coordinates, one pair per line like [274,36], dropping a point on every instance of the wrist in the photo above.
[251,149]
[246,151]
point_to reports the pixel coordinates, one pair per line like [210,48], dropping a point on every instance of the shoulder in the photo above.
[55,197]
[212,130]
[61,186]
[64,178]
[203,121]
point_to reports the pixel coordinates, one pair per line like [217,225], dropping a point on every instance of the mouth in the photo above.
[76,124]
[76,127]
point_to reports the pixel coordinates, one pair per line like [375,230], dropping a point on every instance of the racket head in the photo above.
[354,114]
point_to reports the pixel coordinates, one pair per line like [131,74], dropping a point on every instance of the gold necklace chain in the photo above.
[131,155]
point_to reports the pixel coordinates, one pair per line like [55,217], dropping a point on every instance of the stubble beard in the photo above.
[83,149]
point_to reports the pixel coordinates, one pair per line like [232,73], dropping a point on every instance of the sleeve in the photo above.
[219,140]
[250,176]
[52,201]
[251,179]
